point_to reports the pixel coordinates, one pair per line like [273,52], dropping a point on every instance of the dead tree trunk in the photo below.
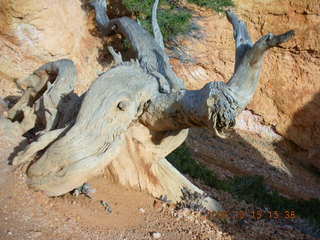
[125,124]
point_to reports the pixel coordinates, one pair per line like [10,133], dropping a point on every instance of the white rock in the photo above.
[156,235]
[142,210]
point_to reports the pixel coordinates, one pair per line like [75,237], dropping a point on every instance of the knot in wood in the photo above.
[123,105]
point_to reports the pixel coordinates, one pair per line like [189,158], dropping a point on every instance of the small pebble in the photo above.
[142,210]
[156,235]
[109,209]
[76,192]
[106,206]
[9,233]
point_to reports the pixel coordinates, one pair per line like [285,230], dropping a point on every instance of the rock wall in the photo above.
[34,32]
[288,98]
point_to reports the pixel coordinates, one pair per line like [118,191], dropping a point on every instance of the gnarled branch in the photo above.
[217,104]
[50,90]
[125,127]
[151,56]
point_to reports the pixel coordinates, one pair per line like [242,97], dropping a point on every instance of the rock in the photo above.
[31,35]
[107,206]
[186,212]
[85,189]
[76,192]
[254,124]
[88,189]
[156,235]
[142,210]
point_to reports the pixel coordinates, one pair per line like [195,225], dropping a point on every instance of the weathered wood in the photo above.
[41,143]
[116,56]
[147,169]
[155,26]
[217,104]
[97,139]
[113,101]
[212,106]
[125,127]
[241,36]
[49,90]
[57,106]
[249,59]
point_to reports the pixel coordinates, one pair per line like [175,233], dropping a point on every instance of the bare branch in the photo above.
[151,56]
[43,141]
[46,96]
[155,26]
[245,80]
[217,104]
[213,107]
[241,36]
[116,56]
[102,19]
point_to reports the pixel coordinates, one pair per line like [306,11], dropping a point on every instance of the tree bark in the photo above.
[123,125]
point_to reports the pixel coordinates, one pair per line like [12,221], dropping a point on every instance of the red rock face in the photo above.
[35,32]
[288,97]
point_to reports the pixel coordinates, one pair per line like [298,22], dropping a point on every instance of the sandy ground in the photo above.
[25,214]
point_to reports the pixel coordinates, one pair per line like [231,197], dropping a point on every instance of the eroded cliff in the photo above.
[35,32]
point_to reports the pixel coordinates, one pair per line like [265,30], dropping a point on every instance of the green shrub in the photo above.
[141,8]
[172,20]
